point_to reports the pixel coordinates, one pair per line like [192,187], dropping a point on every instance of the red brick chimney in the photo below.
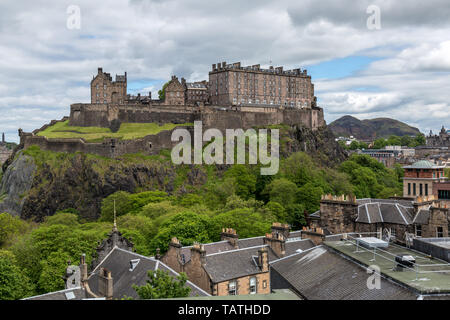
[263,259]
[276,242]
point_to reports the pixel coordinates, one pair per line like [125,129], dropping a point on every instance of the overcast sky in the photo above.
[400,71]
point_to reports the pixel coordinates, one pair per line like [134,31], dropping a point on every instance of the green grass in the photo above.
[127,131]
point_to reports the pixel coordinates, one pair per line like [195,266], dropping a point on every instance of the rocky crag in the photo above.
[38,183]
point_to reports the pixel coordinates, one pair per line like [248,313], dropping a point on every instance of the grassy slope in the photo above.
[127,131]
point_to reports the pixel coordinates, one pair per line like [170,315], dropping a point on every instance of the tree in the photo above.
[162,92]
[14,284]
[160,285]
[420,139]
[10,227]
[187,227]
[282,191]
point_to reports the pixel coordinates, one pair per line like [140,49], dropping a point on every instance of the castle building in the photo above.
[441,140]
[104,90]
[231,84]
[420,178]
[196,92]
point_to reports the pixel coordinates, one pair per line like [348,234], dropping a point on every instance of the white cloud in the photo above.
[46,67]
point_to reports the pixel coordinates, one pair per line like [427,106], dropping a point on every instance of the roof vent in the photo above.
[70,295]
[134,263]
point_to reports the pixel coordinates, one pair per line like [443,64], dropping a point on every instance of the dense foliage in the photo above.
[34,256]
[160,285]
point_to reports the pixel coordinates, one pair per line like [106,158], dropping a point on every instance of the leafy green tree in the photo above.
[420,139]
[283,191]
[277,211]
[309,196]
[354,145]
[53,269]
[64,218]
[244,178]
[380,143]
[246,221]
[162,92]
[160,285]
[187,227]
[14,284]
[11,227]
[296,216]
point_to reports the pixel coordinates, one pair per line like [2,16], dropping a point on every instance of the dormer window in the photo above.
[133,264]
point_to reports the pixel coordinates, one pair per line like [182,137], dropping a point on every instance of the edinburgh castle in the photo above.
[234,97]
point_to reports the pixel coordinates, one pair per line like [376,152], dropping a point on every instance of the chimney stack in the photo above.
[231,236]
[158,255]
[105,284]
[83,268]
[263,260]
[198,254]
[282,228]
[277,243]
[100,70]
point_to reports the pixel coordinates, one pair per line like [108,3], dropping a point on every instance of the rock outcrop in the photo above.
[16,183]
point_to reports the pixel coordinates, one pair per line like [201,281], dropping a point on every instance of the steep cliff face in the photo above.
[16,183]
[81,181]
[38,183]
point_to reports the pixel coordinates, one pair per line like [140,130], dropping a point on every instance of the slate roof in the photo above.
[422,217]
[67,294]
[118,262]
[385,211]
[196,85]
[238,263]
[319,274]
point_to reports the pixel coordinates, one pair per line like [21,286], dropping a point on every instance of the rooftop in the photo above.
[427,276]
[423,164]
[321,274]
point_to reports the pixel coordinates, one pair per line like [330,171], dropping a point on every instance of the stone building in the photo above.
[114,270]
[420,178]
[175,93]
[104,90]
[235,266]
[441,140]
[231,84]
[196,92]
[397,220]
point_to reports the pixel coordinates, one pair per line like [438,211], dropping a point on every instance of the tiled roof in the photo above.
[320,274]
[118,262]
[422,217]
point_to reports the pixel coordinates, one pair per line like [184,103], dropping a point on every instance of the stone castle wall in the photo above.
[111,115]
[150,145]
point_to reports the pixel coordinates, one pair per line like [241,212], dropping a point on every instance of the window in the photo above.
[393,233]
[232,288]
[104,101]
[439,232]
[426,189]
[104,86]
[96,87]
[409,188]
[420,189]
[252,285]
[418,230]
[264,285]
[414,189]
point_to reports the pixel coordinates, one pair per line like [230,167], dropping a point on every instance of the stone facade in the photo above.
[441,140]
[423,217]
[420,177]
[231,84]
[175,93]
[104,90]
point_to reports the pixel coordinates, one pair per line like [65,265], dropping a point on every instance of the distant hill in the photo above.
[370,128]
